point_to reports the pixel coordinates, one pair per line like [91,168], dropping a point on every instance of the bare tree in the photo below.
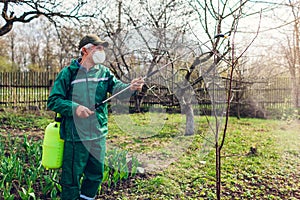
[224,56]
[143,35]
[215,49]
[160,36]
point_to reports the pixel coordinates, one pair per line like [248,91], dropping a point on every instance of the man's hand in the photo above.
[137,84]
[83,112]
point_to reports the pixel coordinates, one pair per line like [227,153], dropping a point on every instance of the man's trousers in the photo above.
[82,159]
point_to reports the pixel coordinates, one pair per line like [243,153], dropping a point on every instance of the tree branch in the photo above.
[38,8]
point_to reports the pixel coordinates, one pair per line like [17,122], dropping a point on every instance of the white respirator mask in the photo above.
[99,57]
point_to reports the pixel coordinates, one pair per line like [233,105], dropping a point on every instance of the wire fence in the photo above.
[30,90]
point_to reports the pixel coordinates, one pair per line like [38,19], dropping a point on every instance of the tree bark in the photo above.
[190,125]
[137,103]
[218,170]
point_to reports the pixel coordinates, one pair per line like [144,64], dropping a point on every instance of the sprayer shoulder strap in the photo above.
[58,117]
[71,78]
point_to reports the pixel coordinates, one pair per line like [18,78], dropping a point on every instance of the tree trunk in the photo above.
[137,103]
[218,171]
[297,58]
[295,94]
[298,92]
[189,113]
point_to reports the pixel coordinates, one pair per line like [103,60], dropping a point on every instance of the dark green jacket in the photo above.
[75,86]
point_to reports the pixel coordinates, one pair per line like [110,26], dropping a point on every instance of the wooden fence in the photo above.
[31,89]
[263,98]
[25,89]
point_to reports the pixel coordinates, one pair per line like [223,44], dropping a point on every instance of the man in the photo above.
[75,92]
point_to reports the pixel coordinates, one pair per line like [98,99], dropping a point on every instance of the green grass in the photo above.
[271,174]
[179,167]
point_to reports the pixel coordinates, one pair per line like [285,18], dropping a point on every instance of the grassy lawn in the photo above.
[180,167]
[272,173]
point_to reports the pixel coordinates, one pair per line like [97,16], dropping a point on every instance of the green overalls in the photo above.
[85,139]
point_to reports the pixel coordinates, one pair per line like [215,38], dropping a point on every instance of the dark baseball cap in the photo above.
[93,39]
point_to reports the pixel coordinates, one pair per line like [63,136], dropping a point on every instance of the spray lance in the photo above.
[53,145]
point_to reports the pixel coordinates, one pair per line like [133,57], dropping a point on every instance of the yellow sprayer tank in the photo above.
[53,147]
